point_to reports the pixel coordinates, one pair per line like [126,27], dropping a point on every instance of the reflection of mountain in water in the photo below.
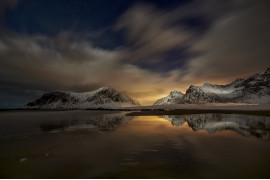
[101,122]
[258,126]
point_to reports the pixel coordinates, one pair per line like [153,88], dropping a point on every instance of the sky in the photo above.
[144,49]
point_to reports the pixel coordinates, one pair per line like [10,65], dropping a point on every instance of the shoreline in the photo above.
[197,111]
[175,109]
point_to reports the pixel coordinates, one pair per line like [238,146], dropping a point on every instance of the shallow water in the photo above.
[108,144]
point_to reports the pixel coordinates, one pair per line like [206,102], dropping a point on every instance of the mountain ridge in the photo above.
[253,90]
[105,97]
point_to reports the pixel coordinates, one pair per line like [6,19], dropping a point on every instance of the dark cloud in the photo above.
[7,4]
[150,33]
[66,63]
[236,45]
[234,42]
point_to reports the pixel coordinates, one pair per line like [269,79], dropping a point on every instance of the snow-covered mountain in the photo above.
[175,97]
[105,97]
[255,89]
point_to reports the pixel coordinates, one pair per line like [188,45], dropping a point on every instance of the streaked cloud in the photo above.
[236,45]
[233,43]
[56,63]
[150,33]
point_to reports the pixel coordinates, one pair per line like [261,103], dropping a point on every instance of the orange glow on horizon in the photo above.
[152,95]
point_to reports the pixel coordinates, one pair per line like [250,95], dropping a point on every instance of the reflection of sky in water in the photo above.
[86,144]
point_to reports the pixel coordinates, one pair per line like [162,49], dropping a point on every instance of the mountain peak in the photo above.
[106,88]
[237,82]
[255,89]
[174,97]
[105,97]
[175,92]
[267,70]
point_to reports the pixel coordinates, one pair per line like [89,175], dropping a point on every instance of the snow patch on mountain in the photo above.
[255,89]
[175,97]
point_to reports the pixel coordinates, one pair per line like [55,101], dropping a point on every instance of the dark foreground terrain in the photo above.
[144,144]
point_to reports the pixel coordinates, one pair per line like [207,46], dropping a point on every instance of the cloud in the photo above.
[232,42]
[236,45]
[43,63]
[150,33]
[7,4]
